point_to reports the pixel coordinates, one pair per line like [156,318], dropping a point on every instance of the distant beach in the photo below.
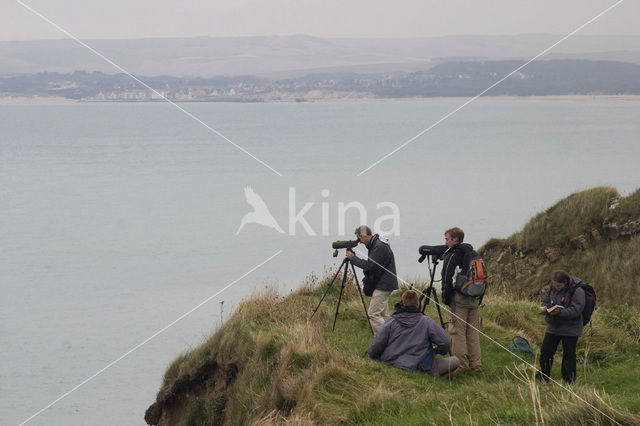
[34,100]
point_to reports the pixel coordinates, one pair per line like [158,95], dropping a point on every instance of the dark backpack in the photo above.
[590,298]
[521,345]
[474,282]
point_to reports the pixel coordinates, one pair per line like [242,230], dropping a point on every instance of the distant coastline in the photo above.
[457,79]
[45,100]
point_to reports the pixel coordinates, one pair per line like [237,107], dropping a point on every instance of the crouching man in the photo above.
[411,340]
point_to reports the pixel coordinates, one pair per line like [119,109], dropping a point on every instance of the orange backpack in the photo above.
[474,282]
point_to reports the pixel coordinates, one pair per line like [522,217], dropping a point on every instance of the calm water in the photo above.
[116,219]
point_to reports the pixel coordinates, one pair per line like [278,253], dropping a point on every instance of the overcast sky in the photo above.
[91,19]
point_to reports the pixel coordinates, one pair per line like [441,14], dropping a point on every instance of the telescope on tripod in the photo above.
[337,245]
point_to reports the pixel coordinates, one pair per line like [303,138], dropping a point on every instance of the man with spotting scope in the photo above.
[464,323]
[379,274]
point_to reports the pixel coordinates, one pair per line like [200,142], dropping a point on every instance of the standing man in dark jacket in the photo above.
[563,324]
[379,274]
[464,323]
[407,340]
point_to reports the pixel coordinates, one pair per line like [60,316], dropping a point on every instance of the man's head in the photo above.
[453,236]
[559,279]
[410,298]
[363,233]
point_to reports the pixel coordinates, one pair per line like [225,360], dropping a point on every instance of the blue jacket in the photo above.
[407,339]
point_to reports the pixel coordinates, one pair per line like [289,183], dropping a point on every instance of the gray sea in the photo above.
[117,219]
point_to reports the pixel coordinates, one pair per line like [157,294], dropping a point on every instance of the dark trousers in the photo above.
[548,350]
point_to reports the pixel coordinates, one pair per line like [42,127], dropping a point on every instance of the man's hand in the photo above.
[350,254]
[543,308]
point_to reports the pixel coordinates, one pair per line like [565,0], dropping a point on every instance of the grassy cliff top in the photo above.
[270,364]
[580,214]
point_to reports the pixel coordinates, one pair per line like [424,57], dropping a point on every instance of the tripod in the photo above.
[430,292]
[345,263]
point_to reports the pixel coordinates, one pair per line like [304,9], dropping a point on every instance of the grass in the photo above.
[295,371]
[627,209]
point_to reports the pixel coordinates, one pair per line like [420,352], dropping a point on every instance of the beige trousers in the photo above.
[465,342]
[378,308]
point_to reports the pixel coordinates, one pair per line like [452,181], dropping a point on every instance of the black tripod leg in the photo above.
[344,280]
[364,305]
[426,293]
[424,299]
[329,287]
[435,299]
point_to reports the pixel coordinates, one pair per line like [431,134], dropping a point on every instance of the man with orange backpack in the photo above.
[463,283]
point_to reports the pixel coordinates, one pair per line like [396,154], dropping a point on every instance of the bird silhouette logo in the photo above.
[260,214]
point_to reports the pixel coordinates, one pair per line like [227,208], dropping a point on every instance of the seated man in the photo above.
[406,340]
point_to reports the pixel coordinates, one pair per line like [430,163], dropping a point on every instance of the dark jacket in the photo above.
[568,322]
[406,341]
[458,256]
[379,269]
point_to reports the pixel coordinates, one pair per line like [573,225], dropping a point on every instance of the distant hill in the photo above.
[287,56]
[539,78]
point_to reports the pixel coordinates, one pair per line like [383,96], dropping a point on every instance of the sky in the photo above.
[117,19]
